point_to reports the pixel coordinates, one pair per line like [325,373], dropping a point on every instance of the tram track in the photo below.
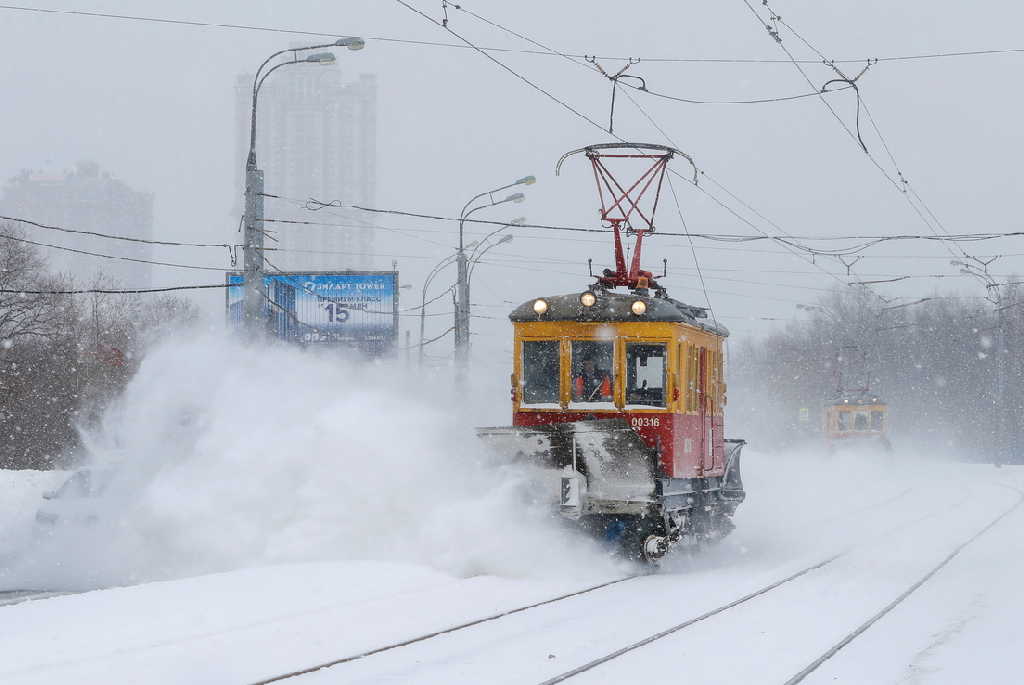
[496,616]
[553,600]
[863,627]
[810,668]
[735,603]
[689,622]
[445,631]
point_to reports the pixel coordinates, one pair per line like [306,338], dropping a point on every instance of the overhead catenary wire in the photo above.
[114,291]
[854,135]
[112,236]
[900,182]
[595,68]
[780,61]
[7,236]
[693,251]
[579,114]
[521,236]
[776,36]
[186,23]
[867,240]
[501,64]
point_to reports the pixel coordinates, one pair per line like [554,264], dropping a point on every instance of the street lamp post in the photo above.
[462,299]
[252,247]
[818,308]
[483,247]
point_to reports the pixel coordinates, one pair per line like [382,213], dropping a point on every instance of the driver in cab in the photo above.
[592,384]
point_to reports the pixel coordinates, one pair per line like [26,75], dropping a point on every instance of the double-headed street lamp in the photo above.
[818,308]
[462,301]
[252,248]
[483,247]
[472,260]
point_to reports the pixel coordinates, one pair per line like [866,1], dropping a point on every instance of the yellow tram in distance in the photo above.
[618,392]
[857,420]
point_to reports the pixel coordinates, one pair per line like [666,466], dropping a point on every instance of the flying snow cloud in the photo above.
[225,455]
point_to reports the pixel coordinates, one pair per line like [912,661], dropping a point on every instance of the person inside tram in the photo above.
[592,384]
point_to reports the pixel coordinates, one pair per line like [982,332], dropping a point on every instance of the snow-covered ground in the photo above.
[20,495]
[233,551]
[894,521]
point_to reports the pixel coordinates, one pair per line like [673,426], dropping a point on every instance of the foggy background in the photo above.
[154,105]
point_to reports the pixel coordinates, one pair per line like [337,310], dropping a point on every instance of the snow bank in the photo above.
[21,493]
[231,456]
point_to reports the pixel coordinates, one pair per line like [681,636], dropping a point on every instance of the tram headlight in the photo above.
[639,307]
[540,306]
[588,299]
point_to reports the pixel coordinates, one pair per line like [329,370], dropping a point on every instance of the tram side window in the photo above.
[645,374]
[540,372]
[593,375]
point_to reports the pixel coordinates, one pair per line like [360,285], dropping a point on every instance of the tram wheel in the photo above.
[643,540]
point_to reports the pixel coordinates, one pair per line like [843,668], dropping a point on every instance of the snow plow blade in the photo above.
[606,457]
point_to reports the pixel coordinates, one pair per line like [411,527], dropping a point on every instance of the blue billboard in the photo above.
[356,309]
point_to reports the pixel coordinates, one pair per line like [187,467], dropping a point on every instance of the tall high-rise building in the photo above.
[316,138]
[85,199]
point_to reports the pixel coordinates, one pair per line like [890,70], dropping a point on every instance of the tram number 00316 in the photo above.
[645,422]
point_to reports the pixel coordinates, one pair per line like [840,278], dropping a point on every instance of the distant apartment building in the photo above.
[85,199]
[316,138]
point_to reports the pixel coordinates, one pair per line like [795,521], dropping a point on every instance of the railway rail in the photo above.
[859,630]
[834,649]
[493,617]
[444,631]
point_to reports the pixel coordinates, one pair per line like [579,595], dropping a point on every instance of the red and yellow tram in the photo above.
[620,389]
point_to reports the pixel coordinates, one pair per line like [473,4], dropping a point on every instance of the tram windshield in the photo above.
[540,372]
[645,374]
[593,375]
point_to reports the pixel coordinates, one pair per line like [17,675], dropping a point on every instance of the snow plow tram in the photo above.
[618,390]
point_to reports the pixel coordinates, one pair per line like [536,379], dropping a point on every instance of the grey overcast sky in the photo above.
[153,104]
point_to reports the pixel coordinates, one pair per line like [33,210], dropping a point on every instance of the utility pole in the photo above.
[252,247]
[255,288]
[462,310]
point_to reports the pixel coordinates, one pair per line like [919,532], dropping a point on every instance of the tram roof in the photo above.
[612,307]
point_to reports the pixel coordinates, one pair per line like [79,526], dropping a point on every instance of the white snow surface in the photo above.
[235,549]
[20,495]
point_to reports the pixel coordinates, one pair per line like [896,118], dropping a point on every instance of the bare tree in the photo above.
[63,358]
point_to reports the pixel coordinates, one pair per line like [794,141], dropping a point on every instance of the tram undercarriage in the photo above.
[610,482]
